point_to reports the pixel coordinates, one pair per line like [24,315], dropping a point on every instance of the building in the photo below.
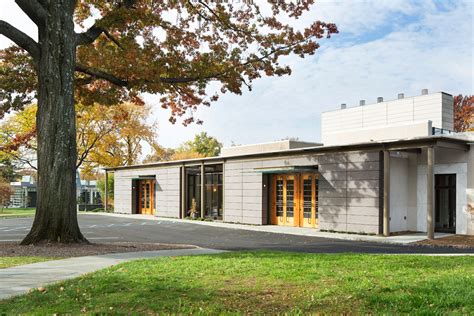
[384,168]
[24,194]
[88,198]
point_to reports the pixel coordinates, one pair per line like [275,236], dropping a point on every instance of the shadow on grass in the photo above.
[264,282]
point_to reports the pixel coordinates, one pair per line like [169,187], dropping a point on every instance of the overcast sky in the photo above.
[383,48]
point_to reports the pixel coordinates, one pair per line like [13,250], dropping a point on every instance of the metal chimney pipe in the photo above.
[401,95]
[362,102]
[379,99]
[424,92]
[343,106]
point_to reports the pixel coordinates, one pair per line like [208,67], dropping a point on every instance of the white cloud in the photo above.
[432,49]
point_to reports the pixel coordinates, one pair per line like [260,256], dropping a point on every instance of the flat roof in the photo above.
[391,100]
[399,144]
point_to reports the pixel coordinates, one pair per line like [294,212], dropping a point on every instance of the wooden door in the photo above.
[308,201]
[146,196]
[294,200]
[284,208]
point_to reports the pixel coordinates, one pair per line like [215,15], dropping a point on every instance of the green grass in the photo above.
[264,283]
[7,262]
[17,212]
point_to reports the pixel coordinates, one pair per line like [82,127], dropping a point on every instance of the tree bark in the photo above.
[56,215]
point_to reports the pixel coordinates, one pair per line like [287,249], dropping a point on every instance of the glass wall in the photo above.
[213,193]
[193,192]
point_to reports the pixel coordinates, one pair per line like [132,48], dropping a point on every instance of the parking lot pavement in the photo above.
[115,229]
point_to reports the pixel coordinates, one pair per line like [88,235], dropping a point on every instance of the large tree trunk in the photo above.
[56,217]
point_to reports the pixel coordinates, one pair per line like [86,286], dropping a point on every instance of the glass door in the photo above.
[284,208]
[146,198]
[294,200]
[445,203]
[308,200]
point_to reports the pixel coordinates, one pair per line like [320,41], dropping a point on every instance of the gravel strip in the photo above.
[456,241]
[80,250]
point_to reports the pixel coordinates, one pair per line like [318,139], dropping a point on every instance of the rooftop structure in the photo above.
[404,117]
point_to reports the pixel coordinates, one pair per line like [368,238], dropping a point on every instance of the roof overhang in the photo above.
[400,145]
[288,169]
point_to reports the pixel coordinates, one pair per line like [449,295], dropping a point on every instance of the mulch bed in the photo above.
[456,241]
[79,250]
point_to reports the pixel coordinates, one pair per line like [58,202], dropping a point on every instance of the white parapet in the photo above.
[384,133]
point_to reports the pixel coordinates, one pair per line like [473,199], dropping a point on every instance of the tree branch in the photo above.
[34,10]
[20,39]
[89,36]
[99,74]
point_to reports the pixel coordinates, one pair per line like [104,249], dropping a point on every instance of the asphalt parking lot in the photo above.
[101,228]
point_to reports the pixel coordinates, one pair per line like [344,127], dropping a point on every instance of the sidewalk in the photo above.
[299,231]
[20,279]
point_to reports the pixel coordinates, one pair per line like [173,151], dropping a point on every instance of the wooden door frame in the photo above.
[298,199]
[144,210]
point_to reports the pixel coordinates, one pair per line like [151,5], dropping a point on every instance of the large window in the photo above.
[213,194]
[193,194]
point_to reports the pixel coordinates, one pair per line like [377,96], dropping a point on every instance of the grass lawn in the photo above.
[264,282]
[17,212]
[7,262]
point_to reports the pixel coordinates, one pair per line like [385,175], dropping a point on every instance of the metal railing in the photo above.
[440,131]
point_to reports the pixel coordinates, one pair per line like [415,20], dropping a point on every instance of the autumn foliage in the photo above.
[114,52]
[171,48]
[463,113]
[106,135]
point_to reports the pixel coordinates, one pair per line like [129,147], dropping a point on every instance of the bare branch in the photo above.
[34,10]
[20,39]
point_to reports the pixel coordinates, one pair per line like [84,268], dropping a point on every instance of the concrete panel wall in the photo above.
[167,188]
[349,192]
[399,200]
[167,192]
[354,124]
[122,193]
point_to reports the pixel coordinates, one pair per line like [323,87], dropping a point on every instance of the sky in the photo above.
[384,47]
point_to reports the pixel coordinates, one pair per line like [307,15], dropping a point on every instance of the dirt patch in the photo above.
[79,250]
[456,241]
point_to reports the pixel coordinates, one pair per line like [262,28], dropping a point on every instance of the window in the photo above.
[213,193]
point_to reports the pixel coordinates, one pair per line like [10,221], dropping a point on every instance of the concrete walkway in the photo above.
[20,279]
[298,231]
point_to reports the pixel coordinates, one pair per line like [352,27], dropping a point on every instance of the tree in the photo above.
[5,193]
[172,48]
[7,169]
[159,153]
[106,135]
[123,145]
[201,146]
[463,113]
[206,146]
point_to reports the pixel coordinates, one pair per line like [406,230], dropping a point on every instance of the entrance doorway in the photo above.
[294,200]
[445,203]
[146,196]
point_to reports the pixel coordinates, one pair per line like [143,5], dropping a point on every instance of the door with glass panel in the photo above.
[308,201]
[294,200]
[284,200]
[146,197]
